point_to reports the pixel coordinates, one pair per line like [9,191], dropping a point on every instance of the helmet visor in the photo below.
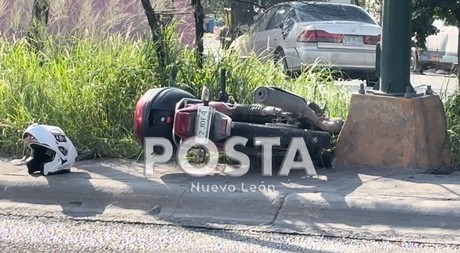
[40,156]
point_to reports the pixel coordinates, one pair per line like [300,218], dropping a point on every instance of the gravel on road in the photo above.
[38,234]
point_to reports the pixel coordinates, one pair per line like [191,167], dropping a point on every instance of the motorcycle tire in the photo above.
[313,139]
[255,159]
[321,159]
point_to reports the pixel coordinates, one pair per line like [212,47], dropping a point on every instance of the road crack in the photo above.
[181,198]
[282,202]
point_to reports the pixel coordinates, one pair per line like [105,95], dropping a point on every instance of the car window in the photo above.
[262,22]
[278,17]
[333,12]
[289,22]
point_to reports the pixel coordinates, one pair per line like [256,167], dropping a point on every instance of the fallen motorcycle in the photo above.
[177,115]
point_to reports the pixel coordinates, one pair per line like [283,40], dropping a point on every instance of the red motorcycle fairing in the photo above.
[154,112]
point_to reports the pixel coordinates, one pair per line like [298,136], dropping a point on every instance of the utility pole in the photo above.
[393,52]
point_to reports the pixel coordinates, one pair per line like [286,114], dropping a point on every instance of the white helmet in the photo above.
[52,151]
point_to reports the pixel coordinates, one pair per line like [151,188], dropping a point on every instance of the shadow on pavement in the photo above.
[332,186]
[400,211]
[57,194]
[335,186]
[181,179]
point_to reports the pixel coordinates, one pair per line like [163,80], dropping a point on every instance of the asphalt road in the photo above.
[443,85]
[35,234]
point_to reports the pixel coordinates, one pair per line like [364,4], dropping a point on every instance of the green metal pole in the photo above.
[395,48]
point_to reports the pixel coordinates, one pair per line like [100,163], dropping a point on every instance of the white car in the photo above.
[299,34]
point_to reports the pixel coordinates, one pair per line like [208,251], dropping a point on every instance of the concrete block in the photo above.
[394,132]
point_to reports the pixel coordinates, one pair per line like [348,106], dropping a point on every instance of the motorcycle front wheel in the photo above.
[318,142]
[313,139]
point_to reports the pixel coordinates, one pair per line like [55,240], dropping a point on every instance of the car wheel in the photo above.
[416,65]
[280,60]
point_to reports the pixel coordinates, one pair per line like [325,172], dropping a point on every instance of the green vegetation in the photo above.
[88,86]
[85,87]
[452,109]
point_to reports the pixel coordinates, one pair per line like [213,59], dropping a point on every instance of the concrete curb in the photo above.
[370,217]
[335,212]
[166,202]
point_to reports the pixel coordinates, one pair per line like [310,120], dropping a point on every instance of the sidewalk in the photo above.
[366,204]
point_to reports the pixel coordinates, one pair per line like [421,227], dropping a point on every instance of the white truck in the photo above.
[441,49]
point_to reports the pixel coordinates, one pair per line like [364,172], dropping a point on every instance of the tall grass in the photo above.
[86,87]
[452,109]
[245,74]
[88,83]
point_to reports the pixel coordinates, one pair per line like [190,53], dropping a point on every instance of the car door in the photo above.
[246,43]
[260,33]
[274,31]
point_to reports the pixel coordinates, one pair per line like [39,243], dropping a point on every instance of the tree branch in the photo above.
[155,28]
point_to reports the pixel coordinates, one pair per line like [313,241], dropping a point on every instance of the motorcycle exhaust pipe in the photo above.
[293,103]
[285,100]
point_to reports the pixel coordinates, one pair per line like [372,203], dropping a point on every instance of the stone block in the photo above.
[394,132]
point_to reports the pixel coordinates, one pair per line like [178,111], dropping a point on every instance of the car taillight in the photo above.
[314,36]
[372,40]
[138,117]
[183,123]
